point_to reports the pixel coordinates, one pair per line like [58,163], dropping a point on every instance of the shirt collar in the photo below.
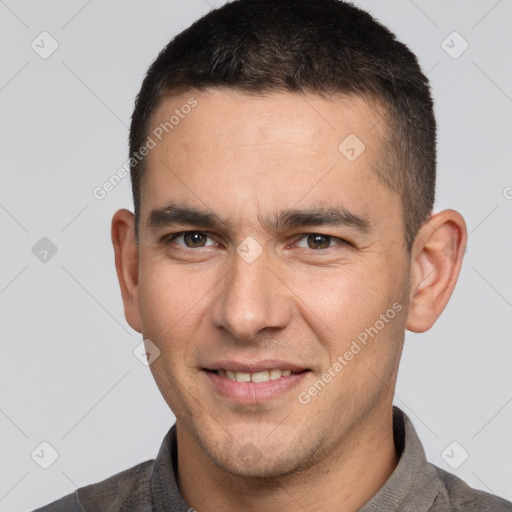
[414,484]
[165,493]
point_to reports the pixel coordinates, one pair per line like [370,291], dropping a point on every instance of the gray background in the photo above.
[68,375]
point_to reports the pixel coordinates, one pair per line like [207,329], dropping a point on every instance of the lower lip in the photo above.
[254,392]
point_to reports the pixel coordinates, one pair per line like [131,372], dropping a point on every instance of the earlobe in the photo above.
[127,264]
[437,256]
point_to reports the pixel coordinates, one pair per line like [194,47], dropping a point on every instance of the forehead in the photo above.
[229,150]
[273,118]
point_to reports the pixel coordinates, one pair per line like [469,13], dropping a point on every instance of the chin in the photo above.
[266,468]
[262,460]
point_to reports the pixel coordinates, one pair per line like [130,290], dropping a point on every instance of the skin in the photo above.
[246,159]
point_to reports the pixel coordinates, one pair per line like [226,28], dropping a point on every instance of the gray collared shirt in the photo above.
[414,486]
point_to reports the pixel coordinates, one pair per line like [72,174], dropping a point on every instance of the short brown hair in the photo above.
[305,46]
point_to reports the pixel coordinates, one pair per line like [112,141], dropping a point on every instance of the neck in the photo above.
[345,479]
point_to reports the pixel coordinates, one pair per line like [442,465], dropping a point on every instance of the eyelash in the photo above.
[169,239]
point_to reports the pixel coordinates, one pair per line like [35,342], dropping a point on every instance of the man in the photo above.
[283,172]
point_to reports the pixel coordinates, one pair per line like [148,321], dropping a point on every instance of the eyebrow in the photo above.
[338,216]
[175,214]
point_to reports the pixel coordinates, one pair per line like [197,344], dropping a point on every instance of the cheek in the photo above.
[336,299]
[338,304]
[171,308]
[171,299]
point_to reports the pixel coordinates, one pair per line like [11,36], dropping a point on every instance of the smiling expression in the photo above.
[264,252]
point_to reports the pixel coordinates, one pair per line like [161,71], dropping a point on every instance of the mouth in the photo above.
[258,376]
[254,383]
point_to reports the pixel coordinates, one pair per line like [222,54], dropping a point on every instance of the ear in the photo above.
[127,264]
[437,255]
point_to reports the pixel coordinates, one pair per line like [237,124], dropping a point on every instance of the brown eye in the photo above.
[194,239]
[318,241]
[190,239]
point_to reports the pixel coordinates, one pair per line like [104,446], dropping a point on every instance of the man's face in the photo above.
[294,249]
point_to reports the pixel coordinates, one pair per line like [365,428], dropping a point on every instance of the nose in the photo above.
[251,298]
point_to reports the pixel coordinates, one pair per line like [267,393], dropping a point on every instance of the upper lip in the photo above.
[254,366]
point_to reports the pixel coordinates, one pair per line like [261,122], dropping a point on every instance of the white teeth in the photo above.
[243,377]
[275,374]
[262,376]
